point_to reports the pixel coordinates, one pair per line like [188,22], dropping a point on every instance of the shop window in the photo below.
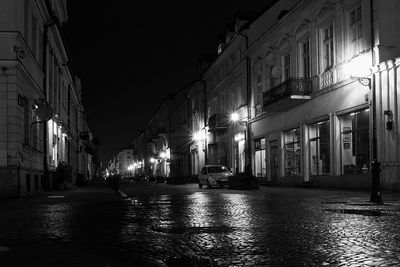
[239,152]
[292,141]
[355,142]
[319,148]
[260,169]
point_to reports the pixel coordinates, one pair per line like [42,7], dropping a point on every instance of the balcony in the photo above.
[217,122]
[288,94]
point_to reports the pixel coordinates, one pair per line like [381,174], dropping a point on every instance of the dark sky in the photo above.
[130,56]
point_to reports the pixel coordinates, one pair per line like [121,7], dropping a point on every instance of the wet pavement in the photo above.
[182,225]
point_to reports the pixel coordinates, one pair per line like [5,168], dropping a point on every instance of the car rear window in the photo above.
[215,169]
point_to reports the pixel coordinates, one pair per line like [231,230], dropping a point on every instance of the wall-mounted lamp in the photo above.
[363,81]
[389,122]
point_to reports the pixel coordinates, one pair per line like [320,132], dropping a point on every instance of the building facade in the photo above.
[180,137]
[125,160]
[313,86]
[40,99]
[321,75]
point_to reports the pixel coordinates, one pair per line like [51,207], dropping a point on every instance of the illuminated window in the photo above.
[292,140]
[355,142]
[239,152]
[260,168]
[319,148]
[327,49]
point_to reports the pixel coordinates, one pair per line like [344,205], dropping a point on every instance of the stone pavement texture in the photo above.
[182,225]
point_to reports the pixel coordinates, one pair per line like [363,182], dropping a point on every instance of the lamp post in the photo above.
[235,118]
[376,196]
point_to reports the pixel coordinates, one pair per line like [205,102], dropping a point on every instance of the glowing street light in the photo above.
[235,117]
[199,136]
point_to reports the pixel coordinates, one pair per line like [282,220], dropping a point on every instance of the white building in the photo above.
[321,71]
[40,105]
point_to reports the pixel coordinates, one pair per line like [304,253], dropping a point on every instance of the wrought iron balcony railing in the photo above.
[293,88]
[217,122]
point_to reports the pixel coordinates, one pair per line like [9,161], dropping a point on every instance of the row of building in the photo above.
[43,124]
[313,86]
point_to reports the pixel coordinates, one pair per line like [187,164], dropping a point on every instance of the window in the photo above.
[356,31]
[51,77]
[305,59]
[40,48]
[209,112]
[239,151]
[327,51]
[216,169]
[292,141]
[26,20]
[259,88]
[286,67]
[27,120]
[260,168]
[355,142]
[270,78]
[33,35]
[35,130]
[319,148]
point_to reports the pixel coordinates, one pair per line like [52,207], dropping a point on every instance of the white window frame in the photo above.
[328,46]
[356,30]
[303,56]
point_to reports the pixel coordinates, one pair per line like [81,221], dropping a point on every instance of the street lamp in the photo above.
[376,196]
[235,118]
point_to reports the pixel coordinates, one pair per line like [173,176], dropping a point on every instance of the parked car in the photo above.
[214,175]
[141,178]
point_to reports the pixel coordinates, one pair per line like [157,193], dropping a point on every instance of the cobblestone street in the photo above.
[178,225]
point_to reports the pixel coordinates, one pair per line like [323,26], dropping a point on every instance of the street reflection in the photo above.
[55,220]
[236,209]
[199,210]
[164,212]
[357,236]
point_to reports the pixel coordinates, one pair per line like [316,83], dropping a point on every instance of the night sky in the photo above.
[131,57]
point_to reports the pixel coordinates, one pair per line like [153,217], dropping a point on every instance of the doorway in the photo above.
[274,160]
